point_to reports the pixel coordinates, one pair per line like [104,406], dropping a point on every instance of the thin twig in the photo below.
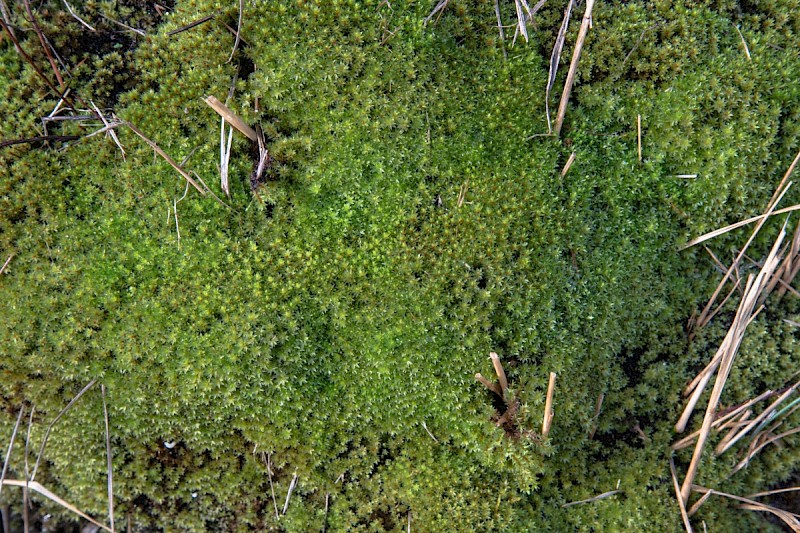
[123,25]
[573,67]
[10,447]
[568,164]
[501,374]
[232,118]
[438,9]
[190,25]
[46,48]
[53,423]
[494,387]
[681,504]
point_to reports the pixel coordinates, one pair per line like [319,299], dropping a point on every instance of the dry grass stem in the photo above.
[3,268]
[292,485]
[790,519]
[686,176]
[681,504]
[568,164]
[547,420]
[771,492]
[225,156]
[166,157]
[109,472]
[107,124]
[123,25]
[462,193]
[53,423]
[597,407]
[744,43]
[436,10]
[494,387]
[10,447]
[523,14]
[37,487]
[500,25]
[501,374]
[639,135]
[573,67]
[758,446]
[724,446]
[593,499]
[735,334]
[42,40]
[699,503]
[190,25]
[238,30]
[76,17]
[555,58]
[232,118]
[271,486]
[429,431]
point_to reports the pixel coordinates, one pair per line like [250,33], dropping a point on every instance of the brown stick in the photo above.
[639,135]
[232,118]
[573,67]
[40,34]
[494,387]
[568,164]
[677,488]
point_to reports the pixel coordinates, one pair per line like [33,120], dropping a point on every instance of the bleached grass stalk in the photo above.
[782,190]
[79,19]
[436,10]
[733,339]
[639,135]
[38,488]
[599,497]
[10,448]
[790,519]
[109,471]
[292,485]
[568,164]
[53,423]
[555,58]
[3,269]
[110,129]
[225,156]
[723,447]
[573,67]
[765,442]
[271,486]
[684,515]
[547,419]
[771,492]
[238,30]
[744,43]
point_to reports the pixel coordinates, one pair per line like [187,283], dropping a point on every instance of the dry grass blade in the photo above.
[547,420]
[771,492]
[568,164]
[109,471]
[598,406]
[76,17]
[639,135]
[53,423]
[791,519]
[292,485]
[521,7]
[271,486]
[165,156]
[593,499]
[37,487]
[500,23]
[3,269]
[744,43]
[733,339]
[717,232]
[573,67]
[225,157]
[501,374]
[684,515]
[776,198]
[110,129]
[724,446]
[123,25]
[232,118]
[757,448]
[238,30]
[190,25]
[42,40]
[555,57]
[10,447]
[436,10]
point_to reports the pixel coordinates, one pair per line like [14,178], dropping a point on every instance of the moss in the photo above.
[333,318]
